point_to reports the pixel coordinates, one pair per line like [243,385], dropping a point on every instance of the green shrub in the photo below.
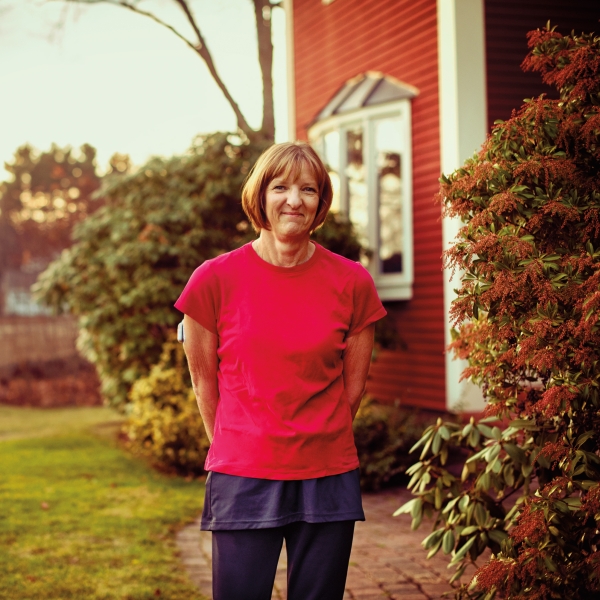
[383,436]
[164,423]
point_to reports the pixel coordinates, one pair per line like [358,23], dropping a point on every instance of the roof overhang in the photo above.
[365,90]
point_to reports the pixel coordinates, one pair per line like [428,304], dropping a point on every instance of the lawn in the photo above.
[80,518]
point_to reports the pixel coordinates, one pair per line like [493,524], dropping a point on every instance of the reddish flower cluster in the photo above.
[495,573]
[531,526]
[554,452]
[564,62]
[591,503]
[554,401]
[493,410]
[593,564]
[509,577]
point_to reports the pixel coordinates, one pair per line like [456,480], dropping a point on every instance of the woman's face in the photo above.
[291,206]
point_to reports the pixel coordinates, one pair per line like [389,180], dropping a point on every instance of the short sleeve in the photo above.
[200,297]
[367,305]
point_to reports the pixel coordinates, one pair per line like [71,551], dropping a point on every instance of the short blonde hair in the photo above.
[284,160]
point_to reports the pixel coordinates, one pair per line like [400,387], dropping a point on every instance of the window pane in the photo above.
[331,158]
[357,185]
[388,146]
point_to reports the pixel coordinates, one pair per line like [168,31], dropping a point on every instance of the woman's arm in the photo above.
[200,347]
[357,358]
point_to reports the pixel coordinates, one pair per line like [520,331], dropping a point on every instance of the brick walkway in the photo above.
[387,559]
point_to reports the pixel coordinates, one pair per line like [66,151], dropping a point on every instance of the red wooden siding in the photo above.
[506,25]
[397,37]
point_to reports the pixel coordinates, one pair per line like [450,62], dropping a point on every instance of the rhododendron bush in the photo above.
[527,502]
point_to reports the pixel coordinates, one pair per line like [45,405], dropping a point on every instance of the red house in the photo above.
[392,93]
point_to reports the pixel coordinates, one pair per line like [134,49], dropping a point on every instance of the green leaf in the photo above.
[497,535]
[469,530]
[407,507]
[477,456]
[462,551]
[417,508]
[484,481]
[416,522]
[457,574]
[481,514]
[526,470]
[517,454]
[493,452]
[425,449]
[474,437]
[523,424]
[550,564]
[495,466]
[432,538]
[573,502]
[509,475]
[485,430]
[434,549]
[448,541]
[426,436]
[451,505]
[584,437]
[414,468]
[465,473]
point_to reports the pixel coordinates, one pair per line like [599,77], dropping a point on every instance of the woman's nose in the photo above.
[293,198]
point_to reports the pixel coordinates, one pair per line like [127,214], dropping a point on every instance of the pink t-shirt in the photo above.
[283,411]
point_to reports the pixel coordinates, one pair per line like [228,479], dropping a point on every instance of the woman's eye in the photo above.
[310,190]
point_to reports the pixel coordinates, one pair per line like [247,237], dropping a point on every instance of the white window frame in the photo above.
[391,286]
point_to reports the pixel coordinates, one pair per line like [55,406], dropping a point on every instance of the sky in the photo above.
[105,76]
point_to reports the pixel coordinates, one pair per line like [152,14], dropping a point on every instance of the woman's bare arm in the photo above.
[200,347]
[357,358]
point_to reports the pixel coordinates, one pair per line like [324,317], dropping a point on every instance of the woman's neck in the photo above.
[283,253]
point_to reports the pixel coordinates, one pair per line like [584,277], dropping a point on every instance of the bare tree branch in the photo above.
[262,14]
[203,51]
[200,48]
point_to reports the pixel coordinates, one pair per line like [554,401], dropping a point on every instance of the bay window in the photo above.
[364,137]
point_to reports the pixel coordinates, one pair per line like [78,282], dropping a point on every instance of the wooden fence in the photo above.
[40,366]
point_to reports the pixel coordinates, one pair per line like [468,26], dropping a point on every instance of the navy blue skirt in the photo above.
[234,502]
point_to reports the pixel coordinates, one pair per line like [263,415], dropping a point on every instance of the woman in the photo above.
[278,336]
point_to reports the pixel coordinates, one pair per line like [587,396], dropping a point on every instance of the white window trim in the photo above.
[390,286]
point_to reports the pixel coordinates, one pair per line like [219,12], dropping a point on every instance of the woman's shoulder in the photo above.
[233,259]
[225,267]
[341,264]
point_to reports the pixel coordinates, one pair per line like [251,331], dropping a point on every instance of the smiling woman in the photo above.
[287,196]
[278,335]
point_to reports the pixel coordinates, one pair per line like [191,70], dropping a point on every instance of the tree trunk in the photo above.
[262,13]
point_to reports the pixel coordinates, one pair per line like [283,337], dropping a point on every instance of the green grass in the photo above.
[81,519]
